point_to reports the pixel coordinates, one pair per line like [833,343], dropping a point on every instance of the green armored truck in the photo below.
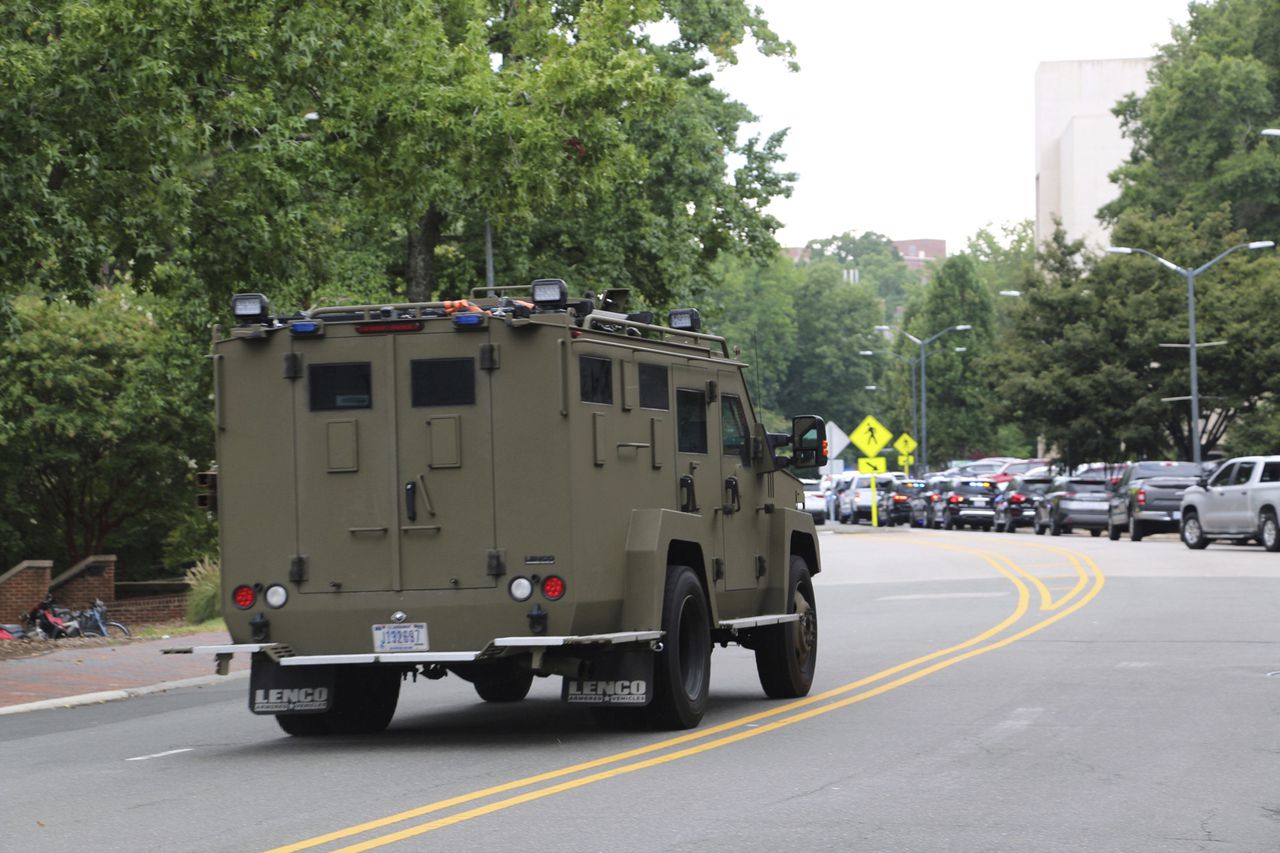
[513,486]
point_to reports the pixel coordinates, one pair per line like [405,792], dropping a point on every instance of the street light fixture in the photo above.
[924,399]
[1011,293]
[1190,276]
[1271,131]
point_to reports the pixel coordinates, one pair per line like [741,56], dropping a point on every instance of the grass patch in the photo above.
[204,601]
[156,632]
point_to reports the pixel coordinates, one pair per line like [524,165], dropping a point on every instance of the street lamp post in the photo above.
[924,398]
[911,371]
[1190,276]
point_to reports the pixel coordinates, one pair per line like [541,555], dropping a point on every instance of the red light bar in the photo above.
[244,597]
[383,328]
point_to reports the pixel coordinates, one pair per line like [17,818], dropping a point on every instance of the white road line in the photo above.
[160,754]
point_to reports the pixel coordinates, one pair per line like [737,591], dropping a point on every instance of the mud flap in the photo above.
[274,689]
[622,677]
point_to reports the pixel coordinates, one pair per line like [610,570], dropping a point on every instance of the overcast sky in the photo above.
[916,118]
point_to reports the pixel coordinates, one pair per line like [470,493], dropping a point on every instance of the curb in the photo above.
[124,693]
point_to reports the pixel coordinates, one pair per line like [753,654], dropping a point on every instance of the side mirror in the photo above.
[1202,482]
[809,441]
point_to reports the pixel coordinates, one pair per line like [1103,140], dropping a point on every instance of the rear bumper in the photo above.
[1093,520]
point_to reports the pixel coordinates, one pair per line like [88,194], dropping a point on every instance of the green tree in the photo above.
[869,258]
[754,310]
[959,416]
[101,428]
[835,319]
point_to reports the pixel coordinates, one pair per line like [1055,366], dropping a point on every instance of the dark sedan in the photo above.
[1147,498]
[1016,506]
[969,502]
[1074,502]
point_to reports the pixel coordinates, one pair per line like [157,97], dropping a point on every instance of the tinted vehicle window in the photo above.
[1086,486]
[975,487]
[443,381]
[1164,469]
[596,375]
[1244,471]
[1034,488]
[1271,472]
[653,387]
[691,420]
[733,425]
[340,386]
[909,487]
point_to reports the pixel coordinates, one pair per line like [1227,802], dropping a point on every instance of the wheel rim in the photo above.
[1191,529]
[693,646]
[806,628]
[1269,532]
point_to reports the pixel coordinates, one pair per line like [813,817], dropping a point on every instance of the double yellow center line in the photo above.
[1089,583]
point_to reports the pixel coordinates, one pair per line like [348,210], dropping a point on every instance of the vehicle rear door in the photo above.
[344,431]
[444,473]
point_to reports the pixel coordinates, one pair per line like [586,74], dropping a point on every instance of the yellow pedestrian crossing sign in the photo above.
[872,465]
[905,444]
[871,436]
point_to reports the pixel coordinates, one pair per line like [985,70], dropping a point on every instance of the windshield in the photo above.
[975,487]
[1035,487]
[1086,486]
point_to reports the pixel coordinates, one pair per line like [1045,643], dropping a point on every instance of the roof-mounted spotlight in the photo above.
[685,319]
[250,308]
[550,294]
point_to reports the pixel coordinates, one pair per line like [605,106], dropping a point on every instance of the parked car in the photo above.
[916,500]
[855,503]
[969,502]
[1073,502]
[935,494]
[839,483]
[1016,506]
[1148,498]
[894,503]
[1240,501]
[1009,470]
[815,501]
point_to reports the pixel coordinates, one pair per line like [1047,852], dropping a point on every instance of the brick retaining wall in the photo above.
[148,610]
[23,587]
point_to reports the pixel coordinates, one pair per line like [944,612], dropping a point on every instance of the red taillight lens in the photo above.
[899,499]
[955,499]
[553,587]
[1142,497]
[244,596]
[1017,499]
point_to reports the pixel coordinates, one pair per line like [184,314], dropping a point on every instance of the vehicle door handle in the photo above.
[734,496]
[410,500]
[688,500]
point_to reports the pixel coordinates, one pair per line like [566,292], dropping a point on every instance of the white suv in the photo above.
[855,503]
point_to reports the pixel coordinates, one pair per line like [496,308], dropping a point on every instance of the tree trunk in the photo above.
[420,270]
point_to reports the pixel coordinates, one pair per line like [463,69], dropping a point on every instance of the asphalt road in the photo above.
[976,692]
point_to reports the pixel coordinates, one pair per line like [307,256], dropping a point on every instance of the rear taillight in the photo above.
[1142,497]
[899,498]
[243,596]
[955,499]
[553,587]
[1017,499]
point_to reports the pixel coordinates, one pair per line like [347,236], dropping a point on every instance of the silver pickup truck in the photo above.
[1239,501]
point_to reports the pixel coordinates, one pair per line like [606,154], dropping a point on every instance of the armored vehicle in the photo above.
[512,486]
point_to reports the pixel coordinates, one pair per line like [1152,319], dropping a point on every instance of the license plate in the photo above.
[407,637]
[979,501]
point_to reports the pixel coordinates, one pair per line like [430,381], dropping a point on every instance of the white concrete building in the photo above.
[1078,142]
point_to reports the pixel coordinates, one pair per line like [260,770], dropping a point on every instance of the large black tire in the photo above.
[787,654]
[1269,531]
[1055,529]
[364,702]
[1192,533]
[1136,531]
[1095,532]
[1113,532]
[1039,528]
[504,680]
[682,670]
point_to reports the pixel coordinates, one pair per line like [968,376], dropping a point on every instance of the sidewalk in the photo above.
[80,676]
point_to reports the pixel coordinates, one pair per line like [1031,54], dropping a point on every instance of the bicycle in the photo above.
[93,622]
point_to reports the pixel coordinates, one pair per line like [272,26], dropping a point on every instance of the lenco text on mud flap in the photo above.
[295,690]
[622,678]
